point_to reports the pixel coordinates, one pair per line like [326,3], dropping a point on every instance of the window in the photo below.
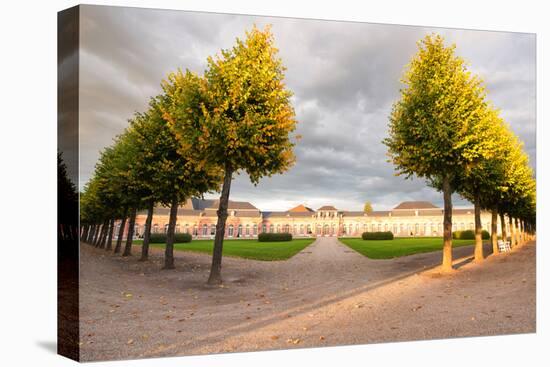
[155,228]
[255,230]
[247,230]
[230,232]
[287,228]
[205,230]
[213,230]
[350,228]
[301,229]
[308,229]
[294,230]
[240,230]
[356,228]
[278,230]
[373,227]
[195,230]
[395,228]
[187,228]
[318,229]
[177,228]
[166,228]
[416,228]
[386,227]
[264,228]
[471,226]
[271,228]
[379,227]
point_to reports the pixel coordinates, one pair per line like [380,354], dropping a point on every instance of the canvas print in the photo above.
[233,183]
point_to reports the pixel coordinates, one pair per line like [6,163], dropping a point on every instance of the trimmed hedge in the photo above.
[470,235]
[274,237]
[377,235]
[178,238]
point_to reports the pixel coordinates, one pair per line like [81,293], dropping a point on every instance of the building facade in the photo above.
[408,219]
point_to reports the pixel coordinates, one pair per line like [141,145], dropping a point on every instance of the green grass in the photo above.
[399,246]
[248,249]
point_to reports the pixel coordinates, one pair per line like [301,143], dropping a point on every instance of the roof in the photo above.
[353,213]
[415,205]
[234,205]
[379,213]
[301,209]
[327,207]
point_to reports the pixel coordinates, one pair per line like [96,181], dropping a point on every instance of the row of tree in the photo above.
[444,129]
[193,139]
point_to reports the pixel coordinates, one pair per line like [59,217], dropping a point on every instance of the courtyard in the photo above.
[325,295]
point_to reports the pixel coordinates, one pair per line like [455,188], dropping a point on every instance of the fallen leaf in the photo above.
[274,337]
[130,341]
[321,338]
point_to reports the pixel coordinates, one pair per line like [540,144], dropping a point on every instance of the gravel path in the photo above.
[325,295]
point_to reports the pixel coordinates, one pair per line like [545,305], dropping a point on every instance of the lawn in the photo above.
[388,249]
[248,249]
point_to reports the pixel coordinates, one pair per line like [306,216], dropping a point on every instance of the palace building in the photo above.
[410,218]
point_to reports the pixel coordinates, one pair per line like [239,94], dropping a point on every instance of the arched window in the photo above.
[318,229]
[309,229]
[287,228]
[213,230]
[187,228]
[385,227]
[379,227]
[240,230]
[177,228]
[351,229]
[416,228]
[365,228]
[230,232]
[395,228]
[155,228]
[271,228]
[247,230]
[301,229]
[264,228]
[278,228]
[255,230]
[195,230]
[205,230]
[166,228]
[295,229]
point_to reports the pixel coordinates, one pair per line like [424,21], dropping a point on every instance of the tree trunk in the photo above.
[147,233]
[169,251]
[96,235]
[109,245]
[478,248]
[494,234]
[84,233]
[130,236]
[447,263]
[215,270]
[104,234]
[121,233]
[503,227]
[512,231]
[518,232]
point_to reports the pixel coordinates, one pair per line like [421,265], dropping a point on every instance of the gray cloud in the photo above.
[344,75]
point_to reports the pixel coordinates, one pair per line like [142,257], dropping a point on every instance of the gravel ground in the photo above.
[324,296]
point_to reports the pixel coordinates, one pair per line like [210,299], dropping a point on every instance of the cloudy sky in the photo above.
[345,77]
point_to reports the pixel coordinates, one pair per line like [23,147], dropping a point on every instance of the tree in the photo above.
[368,207]
[431,125]
[166,170]
[238,118]
[482,180]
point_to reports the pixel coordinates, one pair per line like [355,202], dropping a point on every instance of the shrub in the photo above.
[178,238]
[470,235]
[274,237]
[377,235]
